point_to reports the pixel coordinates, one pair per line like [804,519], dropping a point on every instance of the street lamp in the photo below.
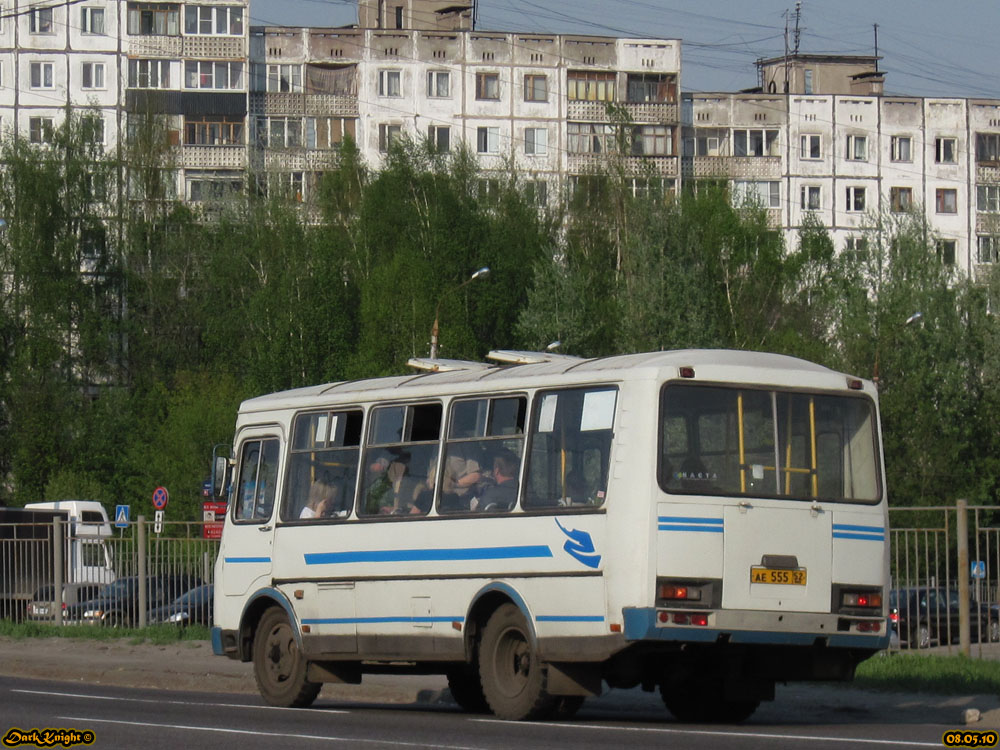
[482,272]
[915,318]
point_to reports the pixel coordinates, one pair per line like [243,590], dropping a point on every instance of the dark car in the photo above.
[925,616]
[193,607]
[118,603]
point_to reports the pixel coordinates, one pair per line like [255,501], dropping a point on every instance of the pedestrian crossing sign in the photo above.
[121,516]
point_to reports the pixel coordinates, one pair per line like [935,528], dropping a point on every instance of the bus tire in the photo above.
[278,666]
[513,677]
[467,689]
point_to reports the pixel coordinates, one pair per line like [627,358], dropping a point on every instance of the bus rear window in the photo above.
[718,440]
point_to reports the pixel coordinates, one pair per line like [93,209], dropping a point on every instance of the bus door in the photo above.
[778,540]
[246,548]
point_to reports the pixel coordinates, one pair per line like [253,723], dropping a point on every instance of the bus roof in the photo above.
[716,365]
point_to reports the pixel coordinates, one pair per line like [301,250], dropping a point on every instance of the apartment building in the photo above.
[835,147]
[532,101]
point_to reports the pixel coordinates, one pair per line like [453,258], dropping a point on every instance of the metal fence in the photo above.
[47,575]
[939,557]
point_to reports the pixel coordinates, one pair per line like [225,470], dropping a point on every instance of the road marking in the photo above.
[86,721]
[737,733]
[175,703]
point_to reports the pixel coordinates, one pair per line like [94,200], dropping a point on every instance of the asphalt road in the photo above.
[122,717]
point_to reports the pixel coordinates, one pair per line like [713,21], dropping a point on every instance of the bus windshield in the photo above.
[737,441]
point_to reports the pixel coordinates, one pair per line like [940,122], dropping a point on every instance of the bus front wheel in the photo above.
[512,675]
[278,665]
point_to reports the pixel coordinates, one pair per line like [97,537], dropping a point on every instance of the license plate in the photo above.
[779,576]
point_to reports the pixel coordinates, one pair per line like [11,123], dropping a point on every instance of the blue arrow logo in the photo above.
[580,546]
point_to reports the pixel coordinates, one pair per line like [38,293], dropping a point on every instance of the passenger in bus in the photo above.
[320,501]
[394,490]
[423,493]
[462,475]
[501,493]
[577,490]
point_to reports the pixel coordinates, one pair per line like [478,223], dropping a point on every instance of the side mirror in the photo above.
[220,471]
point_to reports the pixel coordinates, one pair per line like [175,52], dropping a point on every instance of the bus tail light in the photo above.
[866,626]
[694,618]
[869,599]
[679,592]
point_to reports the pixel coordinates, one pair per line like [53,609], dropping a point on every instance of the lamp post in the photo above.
[915,318]
[482,272]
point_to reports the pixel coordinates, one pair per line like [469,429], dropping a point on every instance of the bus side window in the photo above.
[257,480]
[570,451]
[400,460]
[323,465]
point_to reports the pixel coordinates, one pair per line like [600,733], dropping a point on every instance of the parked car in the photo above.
[117,604]
[193,607]
[42,607]
[925,616]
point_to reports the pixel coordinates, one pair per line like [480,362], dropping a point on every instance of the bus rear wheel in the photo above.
[278,665]
[512,675]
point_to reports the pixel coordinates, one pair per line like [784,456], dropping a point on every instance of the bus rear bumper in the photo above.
[765,628]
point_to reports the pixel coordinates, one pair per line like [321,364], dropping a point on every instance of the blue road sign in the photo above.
[978,569]
[121,516]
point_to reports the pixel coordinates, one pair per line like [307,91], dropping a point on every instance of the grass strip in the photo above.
[152,634]
[944,675]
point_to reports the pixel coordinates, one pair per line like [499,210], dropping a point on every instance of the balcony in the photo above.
[663,166]
[731,167]
[658,112]
[212,157]
[155,46]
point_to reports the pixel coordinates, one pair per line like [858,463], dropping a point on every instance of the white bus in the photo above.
[705,523]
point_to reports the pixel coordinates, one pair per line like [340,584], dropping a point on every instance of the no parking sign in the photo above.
[160,498]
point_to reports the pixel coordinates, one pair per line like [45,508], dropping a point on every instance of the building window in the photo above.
[438,84]
[92,129]
[387,135]
[988,147]
[488,140]
[807,85]
[488,86]
[536,141]
[658,88]
[811,198]
[389,83]
[652,140]
[946,201]
[149,74]
[92,20]
[287,185]
[946,251]
[213,20]
[900,199]
[901,148]
[278,132]
[92,75]
[988,198]
[153,19]
[766,194]
[536,88]
[40,129]
[649,187]
[208,74]
[41,75]
[857,148]
[809,147]
[40,21]
[755,142]
[988,248]
[945,150]
[536,192]
[707,142]
[329,132]
[213,131]
[855,199]
[590,86]
[399,16]
[284,79]
[855,245]
[440,137]
[216,187]
[589,138]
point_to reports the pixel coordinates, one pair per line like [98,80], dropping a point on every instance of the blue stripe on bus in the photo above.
[248,559]
[569,618]
[851,527]
[688,519]
[664,527]
[370,620]
[425,555]
[864,537]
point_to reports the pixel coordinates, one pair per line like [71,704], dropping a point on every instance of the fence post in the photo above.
[57,564]
[962,530]
[141,543]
